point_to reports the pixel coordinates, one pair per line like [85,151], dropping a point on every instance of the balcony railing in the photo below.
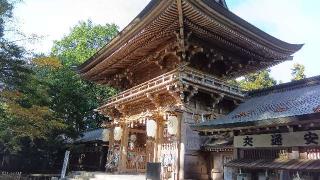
[199,77]
[188,74]
[162,80]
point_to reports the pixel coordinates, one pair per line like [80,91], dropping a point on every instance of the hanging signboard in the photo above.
[292,139]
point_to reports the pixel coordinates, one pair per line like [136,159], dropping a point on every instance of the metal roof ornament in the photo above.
[222,3]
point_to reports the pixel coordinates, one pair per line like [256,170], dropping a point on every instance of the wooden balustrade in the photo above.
[169,146]
[187,75]
[143,88]
[193,75]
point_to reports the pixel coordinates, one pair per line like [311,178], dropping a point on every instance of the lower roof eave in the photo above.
[309,165]
[293,120]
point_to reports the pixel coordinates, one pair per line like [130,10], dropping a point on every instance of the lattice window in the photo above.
[264,153]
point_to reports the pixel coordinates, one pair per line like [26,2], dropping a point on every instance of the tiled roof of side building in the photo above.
[101,135]
[276,104]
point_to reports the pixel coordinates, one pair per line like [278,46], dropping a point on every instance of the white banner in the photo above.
[292,139]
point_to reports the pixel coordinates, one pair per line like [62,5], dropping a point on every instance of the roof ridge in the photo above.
[311,81]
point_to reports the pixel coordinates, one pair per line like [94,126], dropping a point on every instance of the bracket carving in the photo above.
[216,99]
[121,109]
[154,98]
[191,93]
[177,93]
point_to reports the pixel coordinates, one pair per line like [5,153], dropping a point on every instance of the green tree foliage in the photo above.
[28,126]
[22,120]
[257,80]
[5,13]
[75,99]
[298,72]
[25,116]
[83,42]
[234,82]
[12,69]
[45,98]
[72,99]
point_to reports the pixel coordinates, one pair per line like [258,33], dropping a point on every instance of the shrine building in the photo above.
[274,133]
[171,65]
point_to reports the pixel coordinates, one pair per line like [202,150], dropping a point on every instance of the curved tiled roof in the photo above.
[282,101]
[94,136]
[207,19]
[280,164]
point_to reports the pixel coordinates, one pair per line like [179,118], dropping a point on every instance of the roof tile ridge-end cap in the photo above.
[83,68]
[294,47]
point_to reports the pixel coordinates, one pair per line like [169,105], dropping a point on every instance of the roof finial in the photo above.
[222,3]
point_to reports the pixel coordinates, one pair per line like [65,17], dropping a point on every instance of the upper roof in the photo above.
[208,20]
[275,105]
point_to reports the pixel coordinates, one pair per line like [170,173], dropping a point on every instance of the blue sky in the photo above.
[294,21]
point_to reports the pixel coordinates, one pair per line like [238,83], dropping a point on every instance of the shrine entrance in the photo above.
[150,138]
[137,157]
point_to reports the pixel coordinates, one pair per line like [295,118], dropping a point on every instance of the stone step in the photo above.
[118,177]
[198,177]
[102,176]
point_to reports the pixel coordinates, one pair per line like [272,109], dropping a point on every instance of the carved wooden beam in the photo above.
[110,112]
[181,38]
[216,99]
[121,109]
[154,98]
[176,93]
[190,48]
[129,76]
[191,93]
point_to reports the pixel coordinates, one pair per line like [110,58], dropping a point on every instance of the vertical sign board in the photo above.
[65,164]
[291,139]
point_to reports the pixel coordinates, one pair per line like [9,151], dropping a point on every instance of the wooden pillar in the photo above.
[111,144]
[158,140]
[124,148]
[235,153]
[181,146]
[111,137]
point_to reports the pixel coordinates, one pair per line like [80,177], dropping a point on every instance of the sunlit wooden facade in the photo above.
[171,64]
